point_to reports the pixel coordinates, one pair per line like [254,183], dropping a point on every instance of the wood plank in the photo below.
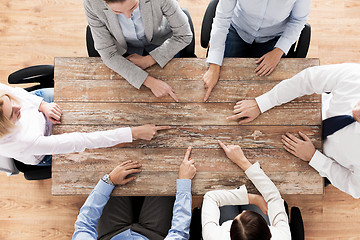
[183,114]
[83,182]
[186,91]
[181,69]
[207,136]
[206,160]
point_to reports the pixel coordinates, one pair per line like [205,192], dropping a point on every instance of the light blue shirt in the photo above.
[134,32]
[86,223]
[259,21]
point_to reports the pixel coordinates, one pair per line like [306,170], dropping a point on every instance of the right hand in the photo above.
[356,112]
[235,154]
[146,132]
[210,78]
[119,174]
[259,201]
[159,88]
[187,169]
[246,110]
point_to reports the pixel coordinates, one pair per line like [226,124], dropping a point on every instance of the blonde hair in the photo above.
[6,126]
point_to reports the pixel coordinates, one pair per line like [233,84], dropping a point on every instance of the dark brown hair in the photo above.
[250,226]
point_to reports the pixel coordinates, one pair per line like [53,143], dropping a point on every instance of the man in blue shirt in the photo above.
[118,221]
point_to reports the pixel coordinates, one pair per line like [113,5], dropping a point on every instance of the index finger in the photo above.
[223,146]
[187,154]
[207,94]
[157,128]
[172,94]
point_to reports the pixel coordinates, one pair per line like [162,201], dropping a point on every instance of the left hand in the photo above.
[141,61]
[119,176]
[303,149]
[356,112]
[52,111]
[268,62]
[259,201]
[246,110]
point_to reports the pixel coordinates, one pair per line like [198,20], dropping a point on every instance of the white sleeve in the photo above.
[340,177]
[210,213]
[78,142]
[21,94]
[219,31]
[276,210]
[319,79]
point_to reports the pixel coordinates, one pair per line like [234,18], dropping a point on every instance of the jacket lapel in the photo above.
[115,27]
[147,18]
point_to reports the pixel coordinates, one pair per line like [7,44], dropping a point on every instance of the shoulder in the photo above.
[95,5]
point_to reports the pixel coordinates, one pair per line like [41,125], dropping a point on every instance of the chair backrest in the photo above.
[187,52]
[297,50]
[33,172]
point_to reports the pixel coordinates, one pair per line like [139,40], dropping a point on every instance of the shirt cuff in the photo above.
[318,161]
[284,44]
[264,102]
[253,170]
[104,188]
[127,134]
[183,185]
[215,58]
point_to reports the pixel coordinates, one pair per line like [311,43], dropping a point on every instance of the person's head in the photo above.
[249,225]
[125,7]
[356,112]
[9,113]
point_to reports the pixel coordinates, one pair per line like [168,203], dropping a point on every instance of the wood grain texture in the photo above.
[183,114]
[76,182]
[205,137]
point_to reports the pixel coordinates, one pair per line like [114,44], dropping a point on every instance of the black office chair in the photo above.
[44,75]
[187,52]
[297,50]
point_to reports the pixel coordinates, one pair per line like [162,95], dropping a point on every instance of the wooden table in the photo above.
[95,98]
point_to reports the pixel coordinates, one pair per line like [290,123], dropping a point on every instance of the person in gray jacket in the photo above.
[132,35]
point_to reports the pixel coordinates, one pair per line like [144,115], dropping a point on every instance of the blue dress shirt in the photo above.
[134,33]
[86,223]
[259,21]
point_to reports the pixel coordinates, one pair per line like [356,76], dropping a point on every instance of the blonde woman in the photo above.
[26,129]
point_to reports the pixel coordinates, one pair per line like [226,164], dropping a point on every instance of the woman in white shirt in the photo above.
[26,127]
[264,29]
[248,224]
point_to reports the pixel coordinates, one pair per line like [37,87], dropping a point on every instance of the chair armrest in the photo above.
[43,74]
[207,23]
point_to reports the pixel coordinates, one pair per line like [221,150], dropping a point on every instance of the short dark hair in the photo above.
[113,1]
[250,226]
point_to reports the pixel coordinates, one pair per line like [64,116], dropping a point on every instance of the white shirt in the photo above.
[29,142]
[210,213]
[340,162]
[259,21]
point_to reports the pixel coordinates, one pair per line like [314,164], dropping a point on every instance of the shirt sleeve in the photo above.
[87,220]
[181,33]
[22,95]
[319,79]
[341,177]
[105,44]
[77,142]
[276,210]
[297,20]
[219,31]
[210,213]
[180,225]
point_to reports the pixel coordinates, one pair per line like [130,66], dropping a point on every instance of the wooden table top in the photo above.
[93,98]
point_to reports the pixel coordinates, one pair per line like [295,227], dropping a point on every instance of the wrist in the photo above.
[107,178]
[149,60]
[149,81]
[42,105]
[134,132]
[278,51]
[244,164]
[214,68]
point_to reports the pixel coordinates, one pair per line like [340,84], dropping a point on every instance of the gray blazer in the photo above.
[166,25]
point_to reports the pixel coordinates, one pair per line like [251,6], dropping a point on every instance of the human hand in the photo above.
[187,169]
[356,112]
[235,154]
[268,62]
[119,174]
[259,201]
[159,88]
[303,149]
[52,111]
[146,132]
[246,110]
[210,79]
[141,61]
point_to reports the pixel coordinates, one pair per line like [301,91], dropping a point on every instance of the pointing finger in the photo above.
[223,146]
[157,128]
[187,154]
